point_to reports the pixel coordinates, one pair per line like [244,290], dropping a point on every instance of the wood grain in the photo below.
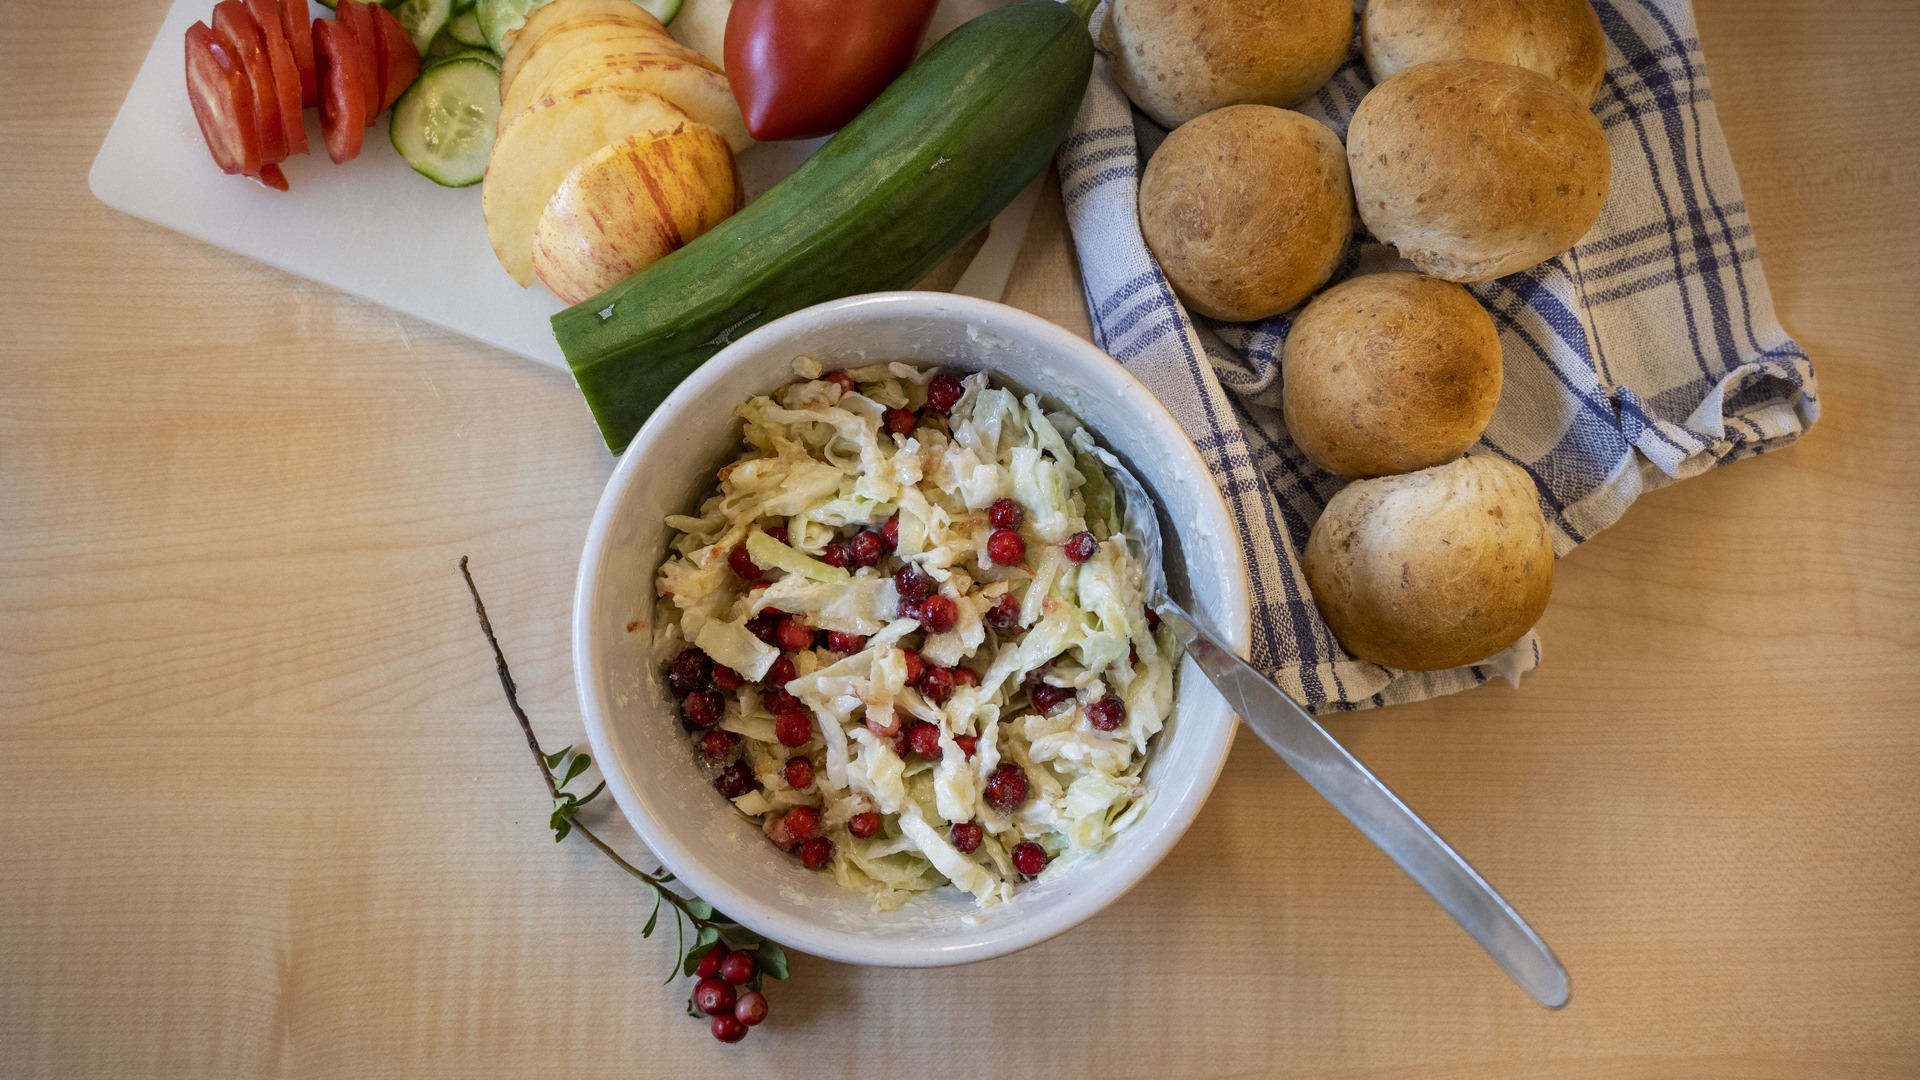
[265,814]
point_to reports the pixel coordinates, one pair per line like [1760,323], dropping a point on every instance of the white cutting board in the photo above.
[372,227]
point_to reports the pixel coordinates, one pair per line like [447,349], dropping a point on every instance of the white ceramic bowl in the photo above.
[634,726]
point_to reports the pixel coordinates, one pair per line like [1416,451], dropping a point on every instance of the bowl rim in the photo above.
[800,934]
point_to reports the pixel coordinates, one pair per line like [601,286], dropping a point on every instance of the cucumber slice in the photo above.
[442,47]
[443,125]
[466,29]
[485,56]
[422,19]
[462,5]
[498,17]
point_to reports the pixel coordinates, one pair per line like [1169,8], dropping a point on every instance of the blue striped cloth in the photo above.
[1647,354]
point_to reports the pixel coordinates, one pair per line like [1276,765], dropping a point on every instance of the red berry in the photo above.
[900,421]
[794,633]
[912,582]
[710,963]
[793,728]
[735,780]
[864,824]
[738,968]
[815,852]
[1046,697]
[716,745]
[679,687]
[781,836]
[779,701]
[780,673]
[743,564]
[866,548]
[938,614]
[965,676]
[726,678]
[840,379]
[803,822]
[967,743]
[1108,713]
[1153,621]
[1006,547]
[1007,787]
[1005,514]
[915,667]
[944,392]
[836,555]
[693,666]
[845,643]
[906,609]
[1005,611]
[1029,858]
[937,684]
[890,532]
[778,532]
[714,996]
[799,773]
[729,1029]
[1080,547]
[701,708]
[967,835]
[924,739]
[766,627]
[751,1009]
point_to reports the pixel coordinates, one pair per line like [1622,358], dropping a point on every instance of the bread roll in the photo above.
[1433,569]
[1388,373]
[1560,39]
[1177,59]
[1248,209]
[1474,169]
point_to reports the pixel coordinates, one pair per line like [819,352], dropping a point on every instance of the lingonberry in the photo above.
[1046,697]
[716,745]
[899,421]
[864,824]
[779,701]
[967,835]
[778,532]
[726,678]
[1080,547]
[866,548]
[1006,547]
[845,643]
[836,554]
[890,532]
[937,684]
[912,582]
[701,708]
[1005,611]
[743,564]
[766,627]
[1153,621]
[840,379]
[967,743]
[739,968]
[751,1009]
[1029,858]
[803,822]
[1005,514]
[710,963]
[799,773]
[794,633]
[779,673]
[944,392]
[735,780]
[938,614]
[693,666]
[728,1029]
[815,852]
[680,687]
[793,728]
[714,996]
[924,739]
[1108,713]
[1007,787]
[965,676]
[915,666]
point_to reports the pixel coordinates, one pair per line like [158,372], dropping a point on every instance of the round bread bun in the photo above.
[1560,39]
[1247,209]
[1389,373]
[1433,569]
[1475,170]
[1177,59]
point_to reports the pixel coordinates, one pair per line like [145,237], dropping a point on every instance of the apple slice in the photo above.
[535,85]
[632,203]
[561,13]
[704,95]
[539,149]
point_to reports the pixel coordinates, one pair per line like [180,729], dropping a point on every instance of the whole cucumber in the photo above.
[877,207]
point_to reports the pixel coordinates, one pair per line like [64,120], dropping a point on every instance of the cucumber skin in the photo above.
[916,174]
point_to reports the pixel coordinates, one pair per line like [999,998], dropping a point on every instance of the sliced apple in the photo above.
[547,16]
[702,26]
[630,204]
[537,77]
[542,146]
[544,48]
[705,95]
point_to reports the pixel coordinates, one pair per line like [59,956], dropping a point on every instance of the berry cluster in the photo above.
[719,993]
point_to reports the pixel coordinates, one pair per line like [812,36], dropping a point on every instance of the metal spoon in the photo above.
[1336,774]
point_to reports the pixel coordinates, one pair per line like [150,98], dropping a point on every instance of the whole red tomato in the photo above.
[803,68]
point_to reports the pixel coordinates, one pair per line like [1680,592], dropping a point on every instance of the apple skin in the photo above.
[632,203]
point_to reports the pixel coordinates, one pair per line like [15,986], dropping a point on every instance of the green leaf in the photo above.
[743,936]
[561,830]
[579,766]
[647,930]
[772,960]
[699,908]
[666,876]
[708,935]
[598,788]
[692,1011]
[695,956]
[680,944]
[554,759]
[753,984]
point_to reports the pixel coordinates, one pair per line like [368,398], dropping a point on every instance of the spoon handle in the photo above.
[1354,791]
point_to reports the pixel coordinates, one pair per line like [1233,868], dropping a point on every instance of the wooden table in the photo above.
[265,813]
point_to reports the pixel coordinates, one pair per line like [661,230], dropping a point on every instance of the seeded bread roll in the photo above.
[1177,59]
[1247,209]
[1560,39]
[1433,569]
[1389,373]
[1475,170]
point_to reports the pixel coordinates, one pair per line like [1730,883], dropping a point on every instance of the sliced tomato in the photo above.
[343,101]
[222,98]
[399,60]
[235,28]
[286,75]
[293,16]
[354,17]
[271,176]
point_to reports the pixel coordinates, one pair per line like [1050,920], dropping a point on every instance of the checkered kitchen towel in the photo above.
[1647,354]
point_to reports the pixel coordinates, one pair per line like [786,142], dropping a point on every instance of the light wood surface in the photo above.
[265,813]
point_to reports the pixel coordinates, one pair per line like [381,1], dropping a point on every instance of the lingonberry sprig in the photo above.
[730,960]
